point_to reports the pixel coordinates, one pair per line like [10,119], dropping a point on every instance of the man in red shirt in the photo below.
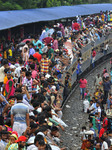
[105,121]
[48,40]
[93,57]
[102,132]
[93,53]
[37,55]
[82,84]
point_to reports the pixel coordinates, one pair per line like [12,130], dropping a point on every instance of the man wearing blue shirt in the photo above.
[31,49]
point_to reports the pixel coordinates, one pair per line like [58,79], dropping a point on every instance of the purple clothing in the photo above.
[62,29]
[55,44]
[31,51]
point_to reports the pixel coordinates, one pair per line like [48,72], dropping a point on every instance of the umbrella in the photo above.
[21,44]
[24,41]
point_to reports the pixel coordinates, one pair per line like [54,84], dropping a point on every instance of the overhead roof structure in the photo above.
[9,19]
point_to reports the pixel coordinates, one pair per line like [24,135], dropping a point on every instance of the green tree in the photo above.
[28,4]
[52,3]
[9,6]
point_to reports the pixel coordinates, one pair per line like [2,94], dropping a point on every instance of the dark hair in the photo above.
[28,73]
[35,59]
[39,45]
[6,70]
[49,45]
[41,142]
[23,69]
[37,50]
[47,115]
[35,95]
[32,117]
[4,61]
[98,103]
[36,104]
[102,138]
[45,85]
[31,57]
[54,128]
[33,125]
[47,108]
[83,128]
[43,90]
[43,128]
[35,112]
[44,54]
[38,138]
[32,66]
[103,114]
[27,42]
[41,120]
[18,90]
[91,123]
[93,98]
[20,61]
[31,44]
[106,132]
[26,48]
[19,97]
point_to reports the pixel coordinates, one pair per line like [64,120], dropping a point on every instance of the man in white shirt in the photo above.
[18,69]
[25,46]
[104,144]
[98,109]
[106,48]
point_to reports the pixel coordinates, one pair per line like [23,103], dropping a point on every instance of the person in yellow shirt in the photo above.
[10,52]
[102,17]
[5,53]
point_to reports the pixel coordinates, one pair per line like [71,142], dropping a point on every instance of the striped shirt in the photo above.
[45,65]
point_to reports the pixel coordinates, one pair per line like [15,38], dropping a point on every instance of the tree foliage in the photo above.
[28,4]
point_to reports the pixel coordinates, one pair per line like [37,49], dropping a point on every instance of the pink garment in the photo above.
[23,80]
[34,74]
[55,44]
[83,83]
[62,29]
[12,88]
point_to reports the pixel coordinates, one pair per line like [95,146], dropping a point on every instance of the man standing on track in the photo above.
[83,85]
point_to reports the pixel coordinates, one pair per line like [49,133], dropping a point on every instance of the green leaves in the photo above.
[28,4]
[9,6]
[52,3]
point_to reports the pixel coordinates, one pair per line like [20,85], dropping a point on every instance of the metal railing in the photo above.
[87,66]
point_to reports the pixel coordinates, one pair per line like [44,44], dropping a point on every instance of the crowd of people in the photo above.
[99,107]
[33,86]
